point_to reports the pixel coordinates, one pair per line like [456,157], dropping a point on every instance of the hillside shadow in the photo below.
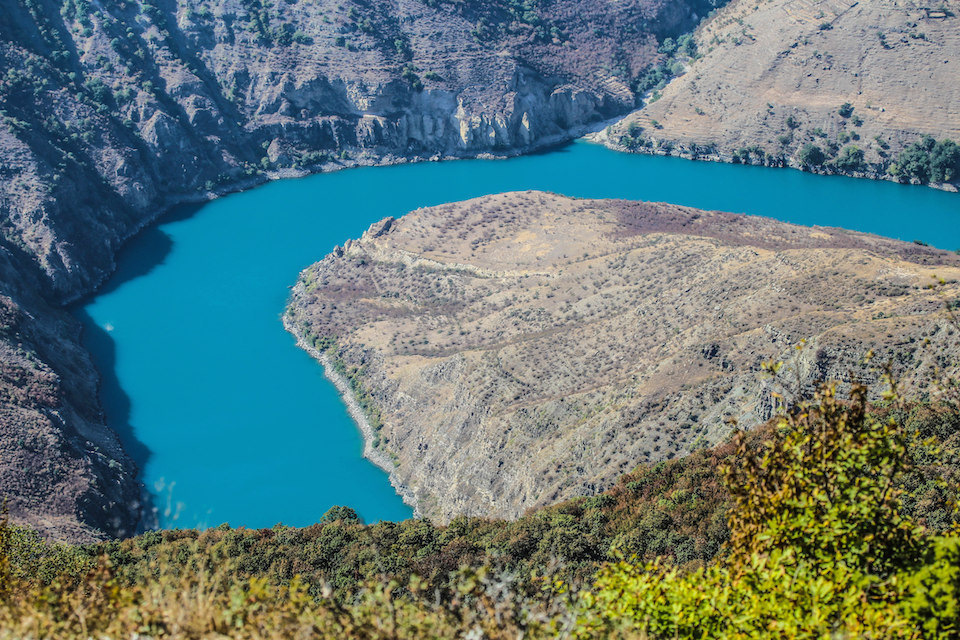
[139,257]
[117,406]
[143,253]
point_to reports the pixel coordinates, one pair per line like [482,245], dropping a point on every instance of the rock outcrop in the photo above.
[523,348]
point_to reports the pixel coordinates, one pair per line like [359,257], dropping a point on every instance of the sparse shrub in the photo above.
[410,75]
[99,91]
[850,159]
[811,155]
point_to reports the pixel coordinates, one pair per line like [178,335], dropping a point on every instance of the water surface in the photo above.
[230,422]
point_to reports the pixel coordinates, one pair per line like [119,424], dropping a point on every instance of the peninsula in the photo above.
[524,348]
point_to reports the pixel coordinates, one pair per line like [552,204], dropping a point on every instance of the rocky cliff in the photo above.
[523,348]
[834,86]
[111,112]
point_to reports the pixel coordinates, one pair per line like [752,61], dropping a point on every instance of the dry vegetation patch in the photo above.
[778,76]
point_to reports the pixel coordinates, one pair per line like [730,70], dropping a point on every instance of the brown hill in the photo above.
[522,348]
[774,76]
[111,112]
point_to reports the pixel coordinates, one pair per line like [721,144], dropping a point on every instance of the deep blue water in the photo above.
[231,422]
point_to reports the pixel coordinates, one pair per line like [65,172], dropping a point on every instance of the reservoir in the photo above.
[231,422]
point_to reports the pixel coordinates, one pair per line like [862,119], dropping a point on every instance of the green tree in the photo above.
[811,155]
[850,159]
[819,545]
[944,161]
[929,160]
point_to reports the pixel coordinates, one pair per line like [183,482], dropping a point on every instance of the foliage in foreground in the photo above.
[820,545]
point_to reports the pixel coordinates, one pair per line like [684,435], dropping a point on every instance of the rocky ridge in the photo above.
[523,348]
[112,112]
[775,76]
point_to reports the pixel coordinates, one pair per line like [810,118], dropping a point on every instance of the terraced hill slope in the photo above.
[523,348]
[775,76]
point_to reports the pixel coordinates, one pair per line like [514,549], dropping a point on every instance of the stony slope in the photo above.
[774,75]
[110,112]
[61,470]
[523,348]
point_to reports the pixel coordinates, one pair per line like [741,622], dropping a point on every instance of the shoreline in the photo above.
[365,158]
[593,133]
[79,295]
[378,458]
[603,139]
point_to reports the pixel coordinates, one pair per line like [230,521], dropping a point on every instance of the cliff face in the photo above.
[523,348]
[774,78]
[111,112]
[61,470]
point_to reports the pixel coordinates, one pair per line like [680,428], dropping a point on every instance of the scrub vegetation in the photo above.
[835,517]
[517,350]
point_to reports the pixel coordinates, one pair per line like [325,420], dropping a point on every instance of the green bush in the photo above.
[811,155]
[850,159]
[928,160]
[819,546]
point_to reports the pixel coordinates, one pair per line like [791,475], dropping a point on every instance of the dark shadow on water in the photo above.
[115,401]
[564,146]
[141,255]
[116,405]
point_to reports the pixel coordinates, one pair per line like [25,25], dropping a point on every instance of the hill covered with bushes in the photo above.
[836,517]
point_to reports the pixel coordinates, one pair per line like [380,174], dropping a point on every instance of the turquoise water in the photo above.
[230,422]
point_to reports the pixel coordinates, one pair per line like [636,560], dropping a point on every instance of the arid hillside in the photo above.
[522,348]
[860,81]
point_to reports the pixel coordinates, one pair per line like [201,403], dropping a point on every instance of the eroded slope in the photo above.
[775,75]
[523,348]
